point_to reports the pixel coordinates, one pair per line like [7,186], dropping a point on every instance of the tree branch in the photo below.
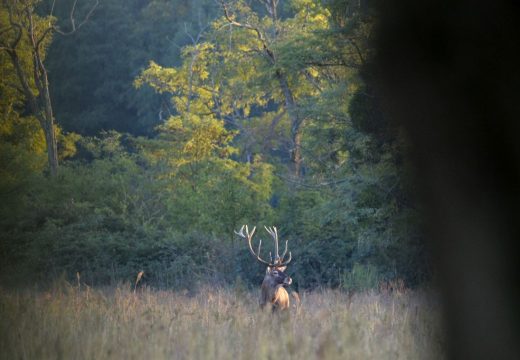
[43,36]
[16,87]
[23,81]
[14,24]
[38,67]
[200,34]
[52,7]
[271,6]
[312,80]
[247,26]
[272,127]
[9,28]
[358,50]
[73,21]
[311,186]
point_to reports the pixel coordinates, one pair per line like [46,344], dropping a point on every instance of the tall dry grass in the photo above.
[82,323]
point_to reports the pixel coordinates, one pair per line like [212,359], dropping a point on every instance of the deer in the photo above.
[273,293]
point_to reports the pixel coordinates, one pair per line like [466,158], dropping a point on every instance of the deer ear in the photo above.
[281,268]
[268,270]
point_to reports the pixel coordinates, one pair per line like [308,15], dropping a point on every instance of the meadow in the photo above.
[79,322]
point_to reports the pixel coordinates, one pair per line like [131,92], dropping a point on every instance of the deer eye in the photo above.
[275,272]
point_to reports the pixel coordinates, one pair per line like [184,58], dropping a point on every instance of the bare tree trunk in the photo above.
[44,101]
[52,144]
[46,116]
[39,102]
[40,106]
[297,153]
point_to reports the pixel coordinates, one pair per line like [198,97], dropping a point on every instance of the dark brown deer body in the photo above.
[273,293]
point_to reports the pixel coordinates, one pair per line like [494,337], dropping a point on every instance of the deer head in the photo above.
[273,291]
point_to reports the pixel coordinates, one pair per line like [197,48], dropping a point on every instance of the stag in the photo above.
[273,293]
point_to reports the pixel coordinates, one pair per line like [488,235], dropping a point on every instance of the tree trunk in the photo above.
[297,154]
[40,106]
[22,23]
[48,123]
[296,133]
[52,145]
[290,104]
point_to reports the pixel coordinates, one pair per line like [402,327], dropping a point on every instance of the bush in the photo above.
[361,277]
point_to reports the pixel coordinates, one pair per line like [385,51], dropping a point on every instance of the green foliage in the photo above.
[125,211]
[218,157]
[21,139]
[91,73]
[360,277]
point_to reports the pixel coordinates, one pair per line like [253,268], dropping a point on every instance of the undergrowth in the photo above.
[79,322]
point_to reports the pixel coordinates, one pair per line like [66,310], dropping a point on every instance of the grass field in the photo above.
[213,323]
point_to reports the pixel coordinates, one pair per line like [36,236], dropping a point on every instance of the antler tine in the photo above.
[285,250]
[240,232]
[284,263]
[257,256]
[249,236]
[281,260]
[274,233]
[276,244]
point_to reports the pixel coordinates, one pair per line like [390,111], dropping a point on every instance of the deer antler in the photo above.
[249,236]
[278,261]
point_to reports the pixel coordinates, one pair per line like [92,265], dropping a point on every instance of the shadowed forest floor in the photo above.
[213,323]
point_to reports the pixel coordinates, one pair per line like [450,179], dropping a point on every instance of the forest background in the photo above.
[178,121]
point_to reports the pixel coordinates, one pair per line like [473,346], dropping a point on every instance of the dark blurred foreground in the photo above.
[451,77]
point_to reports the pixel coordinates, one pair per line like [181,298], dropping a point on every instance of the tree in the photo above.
[244,71]
[91,73]
[267,32]
[22,143]
[25,38]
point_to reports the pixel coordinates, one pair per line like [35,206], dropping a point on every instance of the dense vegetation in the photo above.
[178,121]
[84,323]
